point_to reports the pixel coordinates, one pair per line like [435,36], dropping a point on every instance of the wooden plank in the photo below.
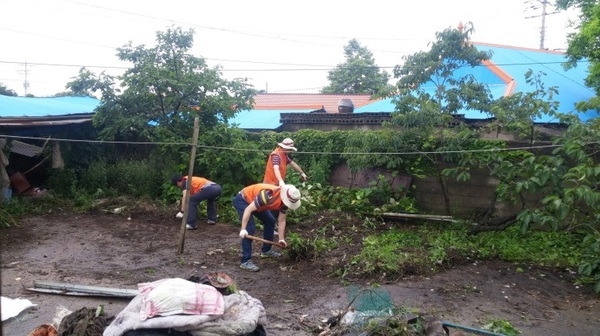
[64,288]
[62,292]
[188,186]
[418,216]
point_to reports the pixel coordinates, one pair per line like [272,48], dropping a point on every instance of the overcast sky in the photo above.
[281,46]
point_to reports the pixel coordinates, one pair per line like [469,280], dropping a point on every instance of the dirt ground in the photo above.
[140,245]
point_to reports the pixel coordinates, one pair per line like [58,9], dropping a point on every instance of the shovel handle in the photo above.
[264,241]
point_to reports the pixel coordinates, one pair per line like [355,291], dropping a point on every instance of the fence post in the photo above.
[188,185]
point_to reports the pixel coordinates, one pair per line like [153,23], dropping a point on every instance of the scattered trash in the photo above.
[13,307]
[80,290]
[117,210]
[44,330]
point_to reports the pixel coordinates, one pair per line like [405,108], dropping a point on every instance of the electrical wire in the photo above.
[275,69]
[247,33]
[299,152]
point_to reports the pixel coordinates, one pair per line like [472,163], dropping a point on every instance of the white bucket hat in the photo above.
[287,143]
[290,196]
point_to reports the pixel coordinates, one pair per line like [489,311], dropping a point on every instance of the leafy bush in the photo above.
[590,261]
[95,177]
[63,182]
[136,178]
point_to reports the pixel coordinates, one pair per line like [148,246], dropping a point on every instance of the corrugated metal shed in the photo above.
[260,119]
[506,74]
[43,107]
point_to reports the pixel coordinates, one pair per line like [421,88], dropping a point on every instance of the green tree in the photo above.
[6,91]
[87,83]
[585,44]
[163,91]
[358,75]
[433,86]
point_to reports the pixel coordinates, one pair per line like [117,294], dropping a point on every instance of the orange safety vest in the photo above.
[197,184]
[250,192]
[270,170]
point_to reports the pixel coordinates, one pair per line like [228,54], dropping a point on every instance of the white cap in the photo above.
[291,196]
[287,143]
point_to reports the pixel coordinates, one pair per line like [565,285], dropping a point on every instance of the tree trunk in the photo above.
[57,160]
[444,193]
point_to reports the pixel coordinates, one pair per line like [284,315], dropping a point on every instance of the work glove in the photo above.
[282,243]
[243,233]
[303,177]
[179,215]
[281,183]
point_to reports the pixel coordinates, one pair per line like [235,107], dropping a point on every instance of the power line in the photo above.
[558,73]
[544,4]
[206,58]
[299,152]
[56,38]
[275,69]
[262,35]
[25,72]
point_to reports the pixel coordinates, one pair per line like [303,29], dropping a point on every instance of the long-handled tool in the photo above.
[265,241]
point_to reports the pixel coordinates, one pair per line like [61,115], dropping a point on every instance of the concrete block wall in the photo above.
[466,198]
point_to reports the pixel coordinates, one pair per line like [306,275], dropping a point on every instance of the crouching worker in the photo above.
[258,200]
[200,189]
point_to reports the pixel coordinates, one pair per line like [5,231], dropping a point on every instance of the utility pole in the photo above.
[536,5]
[25,71]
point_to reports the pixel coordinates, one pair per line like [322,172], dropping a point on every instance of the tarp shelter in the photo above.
[23,117]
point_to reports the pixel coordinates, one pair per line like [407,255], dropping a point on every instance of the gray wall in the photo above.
[466,198]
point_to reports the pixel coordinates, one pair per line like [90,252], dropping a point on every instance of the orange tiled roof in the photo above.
[306,101]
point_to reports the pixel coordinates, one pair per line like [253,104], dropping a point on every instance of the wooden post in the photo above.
[57,160]
[4,179]
[188,185]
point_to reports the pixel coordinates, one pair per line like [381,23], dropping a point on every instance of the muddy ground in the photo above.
[140,245]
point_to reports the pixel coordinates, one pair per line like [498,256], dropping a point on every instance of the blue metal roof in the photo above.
[515,62]
[49,106]
[260,119]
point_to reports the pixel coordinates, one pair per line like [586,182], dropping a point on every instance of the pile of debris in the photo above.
[207,305]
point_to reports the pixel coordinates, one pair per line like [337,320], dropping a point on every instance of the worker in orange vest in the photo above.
[200,189]
[278,161]
[258,200]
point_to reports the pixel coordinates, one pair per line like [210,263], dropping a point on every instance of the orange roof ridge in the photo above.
[511,83]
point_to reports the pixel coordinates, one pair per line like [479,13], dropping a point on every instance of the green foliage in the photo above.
[96,176]
[433,86]
[501,326]
[358,75]
[6,91]
[308,249]
[549,248]
[11,211]
[164,90]
[395,325]
[376,199]
[86,83]
[590,265]
[433,247]
[444,68]
[389,254]
[135,178]
[227,157]
[63,182]
[516,113]
[361,146]
[584,45]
